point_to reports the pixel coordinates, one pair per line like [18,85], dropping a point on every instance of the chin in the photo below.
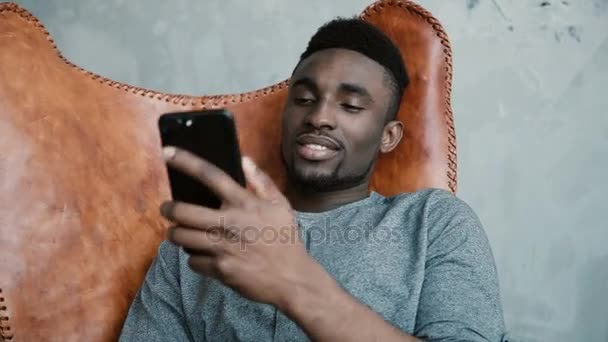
[314,170]
[311,180]
[311,177]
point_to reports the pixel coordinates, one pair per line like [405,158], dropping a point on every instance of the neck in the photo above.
[309,201]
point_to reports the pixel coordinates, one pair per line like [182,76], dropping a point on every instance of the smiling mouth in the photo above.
[314,152]
[314,147]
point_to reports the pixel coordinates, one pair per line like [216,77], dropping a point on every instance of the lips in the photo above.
[316,147]
[320,140]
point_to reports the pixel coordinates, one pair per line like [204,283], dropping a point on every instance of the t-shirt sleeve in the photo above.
[460,298]
[156,313]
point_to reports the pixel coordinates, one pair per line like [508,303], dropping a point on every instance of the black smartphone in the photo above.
[209,134]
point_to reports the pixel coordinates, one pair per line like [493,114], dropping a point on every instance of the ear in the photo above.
[391,136]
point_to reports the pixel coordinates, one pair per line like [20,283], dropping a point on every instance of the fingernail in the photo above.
[169,152]
[248,163]
[166,209]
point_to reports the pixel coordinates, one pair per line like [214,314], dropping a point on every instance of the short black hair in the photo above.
[365,38]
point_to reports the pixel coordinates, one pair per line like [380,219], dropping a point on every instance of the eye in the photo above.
[303,100]
[351,109]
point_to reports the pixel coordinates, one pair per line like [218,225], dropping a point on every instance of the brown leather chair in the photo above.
[81,176]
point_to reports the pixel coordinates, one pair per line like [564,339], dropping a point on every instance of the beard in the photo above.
[323,182]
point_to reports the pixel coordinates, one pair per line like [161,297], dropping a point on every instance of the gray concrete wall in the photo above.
[530,103]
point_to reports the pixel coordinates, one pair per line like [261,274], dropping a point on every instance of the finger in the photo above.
[198,252]
[261,184]
[219,182]
[190,215]
[206,265]
[210,242]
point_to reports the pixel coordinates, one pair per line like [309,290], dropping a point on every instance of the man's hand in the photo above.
[251,243]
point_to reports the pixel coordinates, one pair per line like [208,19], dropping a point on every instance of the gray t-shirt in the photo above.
[420,260]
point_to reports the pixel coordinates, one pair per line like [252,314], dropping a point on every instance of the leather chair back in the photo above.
[81,175]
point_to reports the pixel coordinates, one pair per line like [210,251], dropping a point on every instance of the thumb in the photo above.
[261,184]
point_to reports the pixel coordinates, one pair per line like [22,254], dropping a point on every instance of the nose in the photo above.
[321,117]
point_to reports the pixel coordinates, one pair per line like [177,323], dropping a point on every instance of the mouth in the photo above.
[316,147]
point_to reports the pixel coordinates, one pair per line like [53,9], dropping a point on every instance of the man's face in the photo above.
[333,120]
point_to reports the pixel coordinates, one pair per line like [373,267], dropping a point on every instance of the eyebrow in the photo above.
[348,88]
[306,82]
[354,89]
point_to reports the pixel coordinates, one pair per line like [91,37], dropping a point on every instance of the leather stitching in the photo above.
[208,102]
[203,102]
[418,10]
[5,329]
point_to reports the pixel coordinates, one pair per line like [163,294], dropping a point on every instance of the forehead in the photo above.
[331,66]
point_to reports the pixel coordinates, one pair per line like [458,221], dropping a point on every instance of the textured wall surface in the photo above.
[530,105]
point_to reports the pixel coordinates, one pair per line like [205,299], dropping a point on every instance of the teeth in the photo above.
[316,147]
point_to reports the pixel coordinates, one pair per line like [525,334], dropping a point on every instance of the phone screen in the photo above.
[209,134]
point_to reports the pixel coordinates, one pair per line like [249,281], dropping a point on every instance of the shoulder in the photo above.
[438,212]
[444,207]
[431,202]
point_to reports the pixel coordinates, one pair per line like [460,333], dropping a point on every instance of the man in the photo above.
[326,260]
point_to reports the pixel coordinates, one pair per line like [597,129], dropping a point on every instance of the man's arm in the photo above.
[156,313]
[326,312]
[459,300]
[278,272]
